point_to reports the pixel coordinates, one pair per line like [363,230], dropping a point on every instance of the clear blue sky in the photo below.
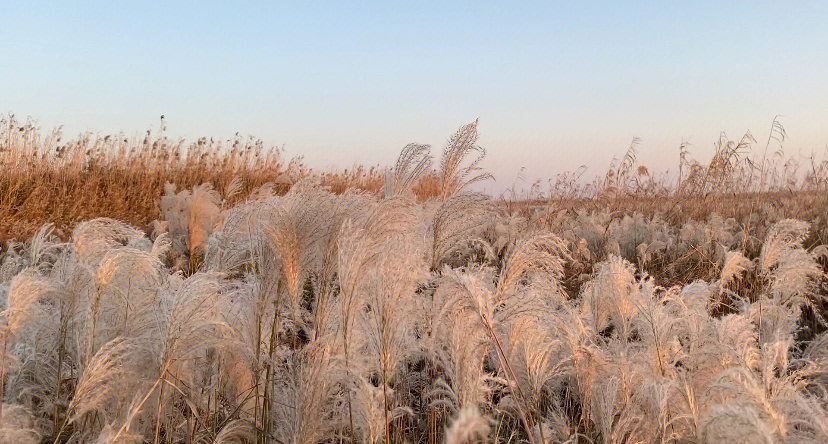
[555,85]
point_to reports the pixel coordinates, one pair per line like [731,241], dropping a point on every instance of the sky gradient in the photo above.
[555,85]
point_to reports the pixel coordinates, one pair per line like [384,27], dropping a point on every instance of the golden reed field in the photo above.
[156,290]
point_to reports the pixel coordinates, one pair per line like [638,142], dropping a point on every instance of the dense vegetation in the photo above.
[267,303]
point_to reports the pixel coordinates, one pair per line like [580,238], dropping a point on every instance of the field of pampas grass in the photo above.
[154,291]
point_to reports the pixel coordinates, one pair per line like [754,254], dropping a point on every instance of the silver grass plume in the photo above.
[793,272]
[459,223]
[296,229]
[469,426]
[609,297]
[93,239]
[378,270]
[304,390]
[116,372]
[414,161]
[42,250]
[537,259]
[783,236]
[126,298]
[733,269]
[204,214]
[460,342]
[732,423]
[454,175]
[17,426]
[236,432]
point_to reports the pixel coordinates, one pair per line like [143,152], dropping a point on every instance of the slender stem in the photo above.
[514,385]
[141,404]
[3,375]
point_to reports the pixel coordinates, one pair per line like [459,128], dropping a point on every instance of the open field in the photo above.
[158,291]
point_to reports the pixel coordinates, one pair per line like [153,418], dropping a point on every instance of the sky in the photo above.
[555,85]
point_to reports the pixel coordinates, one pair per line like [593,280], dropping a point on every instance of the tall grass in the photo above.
[252,301]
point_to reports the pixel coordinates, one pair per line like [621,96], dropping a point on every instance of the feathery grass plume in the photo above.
[110,435]
[586,365]
[588,226]
[30,340]
[257,305]
[625,236]
[175,214]
[535,353]
[731,341]
[777,391]
[236,432]
[529,293]
[737,343]
[93,239]
[117,371]
[469,426]
[127,299]
[190,217]
[203,215]
[710,236]
[245,352]
[17,426]
[304,391]
[647,364]
[233,189]
[412,164]
[459,223]
[388,313]
[733,269]
[815,357]
[454,177]
[370,414]
[796,278]
[657,392]
[506,230]
[29,294]
[608,300]
[232,355]
[773,320]
[612,409]
[783,236]
[76,290]
[527,286]
[194,323]
[493,310]
[735,423]
[667,422]
[238,244]
[536,260]
[11,262]
[42,250]
[460,343]
[694,299]
[557,426]
[362,246]
[197,350]
[296,229]
[793,272]
[363,251]
[774,392]
[354,206]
